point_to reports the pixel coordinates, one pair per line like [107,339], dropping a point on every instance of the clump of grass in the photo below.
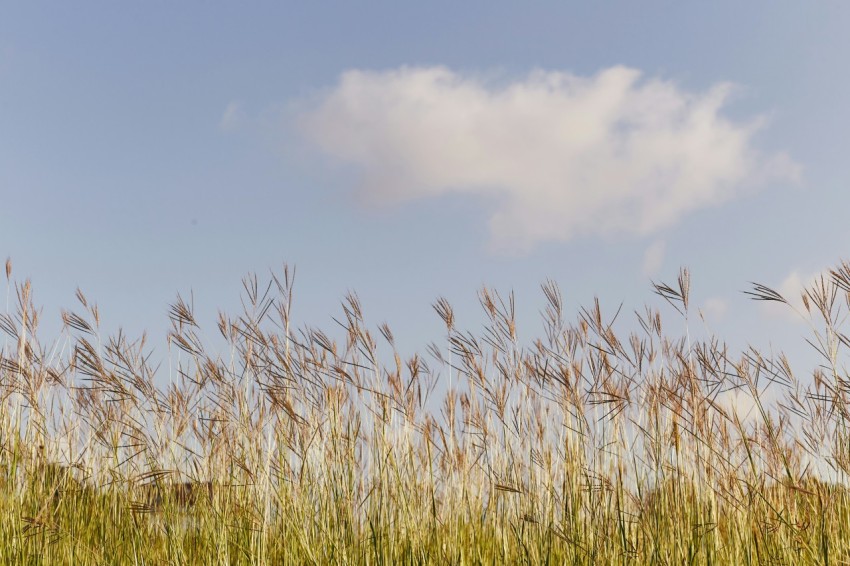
[271,444]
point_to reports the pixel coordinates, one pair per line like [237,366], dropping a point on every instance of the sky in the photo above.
[411,151]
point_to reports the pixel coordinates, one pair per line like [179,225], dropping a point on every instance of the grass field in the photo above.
[266,444]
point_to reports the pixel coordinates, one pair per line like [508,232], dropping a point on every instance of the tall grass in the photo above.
[273,445]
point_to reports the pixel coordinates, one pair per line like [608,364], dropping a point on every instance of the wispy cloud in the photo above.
[792,288]
[714,308]
[554,155]
[653,258]
[232,117]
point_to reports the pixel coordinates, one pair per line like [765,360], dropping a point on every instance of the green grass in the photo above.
[258,443]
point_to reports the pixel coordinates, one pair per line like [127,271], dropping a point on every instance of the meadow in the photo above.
[279,445]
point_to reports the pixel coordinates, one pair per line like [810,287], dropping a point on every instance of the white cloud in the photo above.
[555,155]
[232,117]
[653,257]
[792,289]
[715,308]
[741,403]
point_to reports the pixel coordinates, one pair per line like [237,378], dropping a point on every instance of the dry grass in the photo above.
[275,445]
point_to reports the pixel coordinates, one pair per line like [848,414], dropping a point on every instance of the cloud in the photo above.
[792,289]
[741,403]
[715,308]
[653,257]
[233,117]
[554,155]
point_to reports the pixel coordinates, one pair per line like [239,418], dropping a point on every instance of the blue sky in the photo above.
[159,148]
